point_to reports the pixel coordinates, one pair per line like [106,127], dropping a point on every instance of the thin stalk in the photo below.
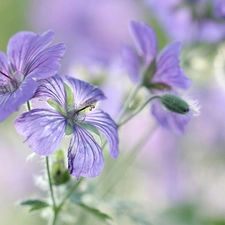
[50,183]
[127,103]
[137,111]
[130,159]
[28,106]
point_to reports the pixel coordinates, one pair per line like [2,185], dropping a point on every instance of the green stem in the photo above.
[139,110]
[127,103]
[28,106]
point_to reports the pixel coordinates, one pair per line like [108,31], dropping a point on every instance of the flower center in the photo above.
[76,114]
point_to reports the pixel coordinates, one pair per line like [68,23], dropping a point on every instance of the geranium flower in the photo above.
[159,73]
[72,113]
[29,60]
[161,70]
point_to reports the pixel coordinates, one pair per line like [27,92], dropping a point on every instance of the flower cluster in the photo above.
[191,20]
[31,72]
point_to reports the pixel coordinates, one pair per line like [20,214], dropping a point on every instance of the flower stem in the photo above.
[137,111]
[127,103]
[55,209]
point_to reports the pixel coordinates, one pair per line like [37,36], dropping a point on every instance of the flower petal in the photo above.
[4,67]
[131,63]
[52,88]
[103,122]
[27,54]
[169,120]
[145,40]
[44,129]
[46,63]
[17,50]
[10,101]
[84,155]
[84,92]
[168,69]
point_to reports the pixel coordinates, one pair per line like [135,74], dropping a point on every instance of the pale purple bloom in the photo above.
[29,59]
[45,128]
[219,8]
[190,21]
[167,71]
[92,30]
[158,72]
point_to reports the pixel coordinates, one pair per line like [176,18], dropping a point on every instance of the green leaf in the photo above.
[34,204]
[95,212]
[69,94]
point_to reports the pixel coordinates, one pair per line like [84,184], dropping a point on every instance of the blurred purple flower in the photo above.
[29,60]
[219,8]
[160,73]
[45,128]
[162,69]
[190,21]
[92,30]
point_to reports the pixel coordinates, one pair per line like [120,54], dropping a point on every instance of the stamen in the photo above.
[5,74]
[85,107]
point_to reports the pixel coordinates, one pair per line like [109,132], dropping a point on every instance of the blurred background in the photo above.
[159,178]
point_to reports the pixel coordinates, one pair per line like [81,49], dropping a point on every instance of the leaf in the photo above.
[34,204]
[95,212]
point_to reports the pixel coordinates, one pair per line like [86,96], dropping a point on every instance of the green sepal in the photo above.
[148,74]
[55,105]
[159,86]
[69,94]
[69,129]
[175,104]
[60,174]
[34,204]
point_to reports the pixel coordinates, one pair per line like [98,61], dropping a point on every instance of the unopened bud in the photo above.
[175,104]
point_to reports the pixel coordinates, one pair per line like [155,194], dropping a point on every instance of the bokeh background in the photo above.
[159,178]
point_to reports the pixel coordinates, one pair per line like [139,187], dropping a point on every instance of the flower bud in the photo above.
[175,104]
[60,174]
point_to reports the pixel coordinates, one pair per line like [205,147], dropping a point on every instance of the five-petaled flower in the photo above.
[29,60]
[72,112]
[159,73]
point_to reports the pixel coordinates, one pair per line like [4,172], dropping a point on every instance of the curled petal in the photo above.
[145,40]
[103,122]
[52,88]
[43,129]
[84,92]
[168,69]
[131,63]
[84,155]
[10,101]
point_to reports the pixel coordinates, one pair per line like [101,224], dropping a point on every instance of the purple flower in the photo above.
[191,20]
[162,70]
[73,103]
[29,60]
[161,73]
